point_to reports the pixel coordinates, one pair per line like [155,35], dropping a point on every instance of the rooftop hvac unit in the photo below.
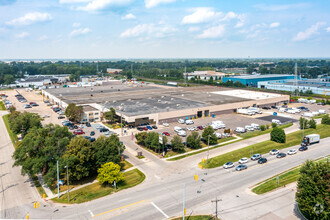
[122,104]
[165,102]
[178,105]
[162,96]
[172,99]
[114,101]
[182,95]
[159,100]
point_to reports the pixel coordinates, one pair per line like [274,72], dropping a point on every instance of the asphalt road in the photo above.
[163,198]
[16,191]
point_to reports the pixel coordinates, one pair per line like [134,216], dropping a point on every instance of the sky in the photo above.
[126,29]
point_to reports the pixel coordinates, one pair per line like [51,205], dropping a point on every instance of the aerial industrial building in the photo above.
[253,80]
[141,103]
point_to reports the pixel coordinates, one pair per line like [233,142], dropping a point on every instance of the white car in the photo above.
[240,130]
[255,126]
[181,121]
[292,151]
[191,128]
[218,135]
[249,128]
[182,133]
[228,165]
[189,122]
[276,121]
[291,111]
[177,129]
[45,116]
[243,160]
[166,125]
[274,152]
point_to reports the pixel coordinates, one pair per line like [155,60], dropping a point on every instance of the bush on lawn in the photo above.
[277,135]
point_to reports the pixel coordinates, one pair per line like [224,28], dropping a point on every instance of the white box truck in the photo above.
[245,111]
[310,139]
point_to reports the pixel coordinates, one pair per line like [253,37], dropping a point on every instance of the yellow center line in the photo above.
[135,203]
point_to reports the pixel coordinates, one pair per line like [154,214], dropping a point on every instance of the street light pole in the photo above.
[184,198]
[67,180]
[208,148]
[58,183]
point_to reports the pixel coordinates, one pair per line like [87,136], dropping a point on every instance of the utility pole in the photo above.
[58,181]
[67,180]
[216,206]
[208,148]
[184,198]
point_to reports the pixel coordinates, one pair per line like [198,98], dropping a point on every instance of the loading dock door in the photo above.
[199,114]
[206,113]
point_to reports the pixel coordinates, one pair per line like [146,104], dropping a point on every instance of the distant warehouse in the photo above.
[252,80]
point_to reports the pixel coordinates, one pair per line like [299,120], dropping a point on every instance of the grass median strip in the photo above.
[292,139]
[12,136]
[257,133]
[97,190]
[284,178]
[2,106]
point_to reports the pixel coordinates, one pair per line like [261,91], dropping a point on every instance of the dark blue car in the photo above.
[149,127]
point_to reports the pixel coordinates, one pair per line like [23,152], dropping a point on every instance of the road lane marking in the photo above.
[135,203]
[161,211]
[91,213]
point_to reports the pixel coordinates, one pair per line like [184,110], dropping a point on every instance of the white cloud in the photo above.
[308,32]
[43,37]
[280,7]
[200,15]
[149,30]
[97,5]
[328,29]
[22,35]
[239,24]
[213,32]
[128,17]
[274,25]
[30,18]
[76,24]
[154,3]
[80,31]
[193,29]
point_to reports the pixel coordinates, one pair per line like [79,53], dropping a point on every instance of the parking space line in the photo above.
[161,211]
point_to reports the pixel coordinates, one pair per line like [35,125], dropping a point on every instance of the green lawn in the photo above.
[285,178]
[36,182]
[292,139]
[195,217]
[12,136]
[96,190]
[2,106]
[257,133]
[319,116]
[125,165]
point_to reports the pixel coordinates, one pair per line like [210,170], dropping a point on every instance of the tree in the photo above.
[141,137]
[262,127]
[274,125]
[107,149]
[313,190]
[303,123]
[177,144]
[20,123]
[40,149]
[194,140]
[79,156]
[109,172]
[74,112]
[312,123]
[209,136]
[277,135]
[325,120]
[110,115]
[152,141]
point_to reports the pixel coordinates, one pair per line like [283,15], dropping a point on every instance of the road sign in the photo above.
[60,182]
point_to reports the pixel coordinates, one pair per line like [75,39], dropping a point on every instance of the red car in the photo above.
[145,129]
[166,133]
[200,127]
[78,132]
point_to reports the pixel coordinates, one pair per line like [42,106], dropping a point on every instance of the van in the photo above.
[177,129]
[181,121]
[240,130]
[255,126]
[182,133]
[189,122]
[218,135]
[276,121]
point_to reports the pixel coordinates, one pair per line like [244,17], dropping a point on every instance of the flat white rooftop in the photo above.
[247,94]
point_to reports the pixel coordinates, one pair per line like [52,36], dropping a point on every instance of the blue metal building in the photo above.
[252,80]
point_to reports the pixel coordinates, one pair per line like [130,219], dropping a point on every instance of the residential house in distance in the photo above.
[114,71]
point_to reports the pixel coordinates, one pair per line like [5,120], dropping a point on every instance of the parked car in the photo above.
[27,106]
[274,107]
[149,127]
[262,160]
[241,167]
[243,160]
[60,117]
[45,116]
[281,155]
[145,128]
[88,124]
[92,133]
[79,131]
[166,133]
[303,148]
[154,127]
[218,135]
[166,124]
[139,129]
[104,130]
[292,151]
[191,128]
[181,121]
[240,130]
[75,127]
[189,122]
[256,157]
[266,107]
[182,133]
[274,152]
[200,127]
[249,128]
[228,165]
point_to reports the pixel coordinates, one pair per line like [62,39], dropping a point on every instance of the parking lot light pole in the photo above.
[208,148]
